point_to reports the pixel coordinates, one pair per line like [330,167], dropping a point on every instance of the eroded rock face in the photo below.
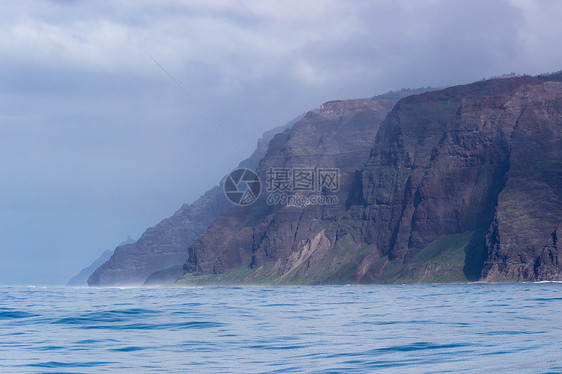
[523,238]
[487,155]
[337,135]
[459,184]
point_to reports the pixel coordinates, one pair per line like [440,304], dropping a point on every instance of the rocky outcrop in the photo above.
[458,184]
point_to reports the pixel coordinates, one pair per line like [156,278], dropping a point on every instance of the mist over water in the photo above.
[416,328]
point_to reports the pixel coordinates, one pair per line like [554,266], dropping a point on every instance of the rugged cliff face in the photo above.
[459,184]
[523,239]
[452,185]
[165,245]
[482,159]
[339,136]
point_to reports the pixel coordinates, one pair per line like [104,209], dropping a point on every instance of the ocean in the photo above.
[315,329]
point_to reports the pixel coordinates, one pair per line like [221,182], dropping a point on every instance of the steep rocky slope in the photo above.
[165,245]
[461,184]
[481,159]
[523,240]
[339,135]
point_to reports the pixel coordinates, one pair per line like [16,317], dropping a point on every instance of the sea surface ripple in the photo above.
[323,329]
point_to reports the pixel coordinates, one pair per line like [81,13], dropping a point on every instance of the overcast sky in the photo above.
[99,143]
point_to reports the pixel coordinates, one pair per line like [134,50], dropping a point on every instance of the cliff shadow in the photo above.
[475,254]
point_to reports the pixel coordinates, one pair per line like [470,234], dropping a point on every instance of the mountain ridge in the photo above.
[155,257]
[452,185]
[428,205]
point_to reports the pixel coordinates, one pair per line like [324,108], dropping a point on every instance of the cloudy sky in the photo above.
[98,142]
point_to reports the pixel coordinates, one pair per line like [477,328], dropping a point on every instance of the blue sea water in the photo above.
[326,329]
